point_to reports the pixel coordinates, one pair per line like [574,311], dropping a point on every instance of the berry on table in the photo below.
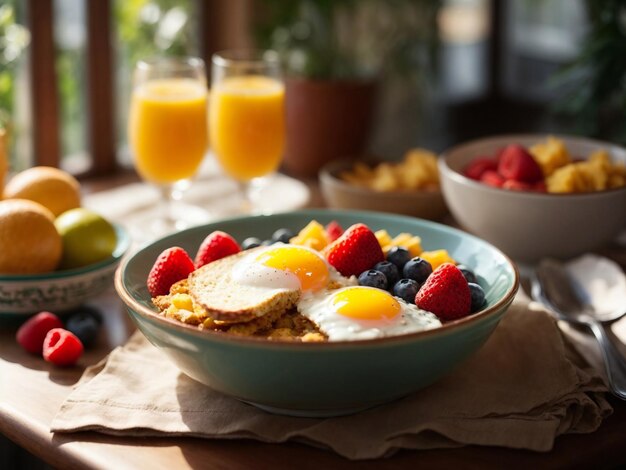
[417,269]
[390,271]
[477,296]
[61,347]
[84,326]
[406,289]
[172,265]
[373,278]
[399,256]
[250,242]
[32,333]
[282,235]
[215,246]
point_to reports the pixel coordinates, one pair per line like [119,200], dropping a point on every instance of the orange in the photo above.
[53,188]
[29,241]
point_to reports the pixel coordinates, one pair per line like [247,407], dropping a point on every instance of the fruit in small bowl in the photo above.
[531,224]
[55,254]
[410,187]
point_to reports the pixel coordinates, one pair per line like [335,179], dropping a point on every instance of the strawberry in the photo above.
[215,246]
[333,231]
[540,187]
[492,178]
[517,164]
[32,333]
[355,251]
[478,166]
[62,347]
[171,266]
[445,293]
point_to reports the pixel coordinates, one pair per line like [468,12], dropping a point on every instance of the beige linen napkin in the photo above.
[523,388]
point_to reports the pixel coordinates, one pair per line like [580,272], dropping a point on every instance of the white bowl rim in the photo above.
[461,178]
[121,248]
[445,328]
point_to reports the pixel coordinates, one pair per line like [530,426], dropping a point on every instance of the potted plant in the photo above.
[335,54]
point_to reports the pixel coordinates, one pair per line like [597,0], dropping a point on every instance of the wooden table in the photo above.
[31,392]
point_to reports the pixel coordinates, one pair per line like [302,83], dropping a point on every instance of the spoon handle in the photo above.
[613,359]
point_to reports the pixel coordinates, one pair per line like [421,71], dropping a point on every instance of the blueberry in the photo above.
[267,242]
[390,271]
[282,235]
[468,273]
[406,289]
[478,297]
[85,326]
[373,278]
[399,256]
[417,269]
[251,242]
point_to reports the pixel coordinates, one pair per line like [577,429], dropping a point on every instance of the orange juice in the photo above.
[168,128]
[247,116]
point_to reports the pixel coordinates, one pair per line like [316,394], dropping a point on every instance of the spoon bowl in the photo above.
[553,287]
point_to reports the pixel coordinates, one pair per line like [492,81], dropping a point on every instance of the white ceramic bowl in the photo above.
[59,291]
[529,226]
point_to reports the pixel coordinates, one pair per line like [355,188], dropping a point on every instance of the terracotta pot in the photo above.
[326,120]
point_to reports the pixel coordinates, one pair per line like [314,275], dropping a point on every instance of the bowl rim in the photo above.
[461,178]
[328,173]
[445,328]
[121,248]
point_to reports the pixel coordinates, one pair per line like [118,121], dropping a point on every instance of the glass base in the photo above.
[163,220]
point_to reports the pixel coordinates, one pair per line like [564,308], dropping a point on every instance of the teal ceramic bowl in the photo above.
[321,379]
[58,291]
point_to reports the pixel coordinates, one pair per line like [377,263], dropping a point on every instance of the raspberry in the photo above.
[445,293]
[333,230]
[61,347]
[215,246]
[492,178]
[355,251]
[515,163]
[171,266]
[32,333]
[478,166]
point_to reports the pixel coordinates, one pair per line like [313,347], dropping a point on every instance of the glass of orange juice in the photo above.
[168,133]
[247,117]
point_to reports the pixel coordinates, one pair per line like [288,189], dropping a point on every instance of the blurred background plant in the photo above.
[597,77]
[14,38]
[346,39]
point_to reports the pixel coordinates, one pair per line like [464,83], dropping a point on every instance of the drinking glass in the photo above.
[168,134]
[247,118]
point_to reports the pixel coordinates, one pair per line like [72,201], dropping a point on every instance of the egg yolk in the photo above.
[365,303]
[308,267]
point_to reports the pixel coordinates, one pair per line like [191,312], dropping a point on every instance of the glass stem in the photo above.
[167,198]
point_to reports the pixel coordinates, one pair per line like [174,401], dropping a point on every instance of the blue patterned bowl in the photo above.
[321,379]
[24,294]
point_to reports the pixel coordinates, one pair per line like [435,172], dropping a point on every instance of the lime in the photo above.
[87,237]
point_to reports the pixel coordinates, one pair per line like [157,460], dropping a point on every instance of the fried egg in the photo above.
[360,312]
[287,267]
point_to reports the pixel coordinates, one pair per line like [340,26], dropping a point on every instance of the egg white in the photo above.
[250,272]
[318,308]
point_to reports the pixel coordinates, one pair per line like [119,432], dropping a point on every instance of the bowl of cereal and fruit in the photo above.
[408,187]
[535,196]
[317,312]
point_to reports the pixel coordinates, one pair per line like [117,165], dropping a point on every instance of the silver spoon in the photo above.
[553,287]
